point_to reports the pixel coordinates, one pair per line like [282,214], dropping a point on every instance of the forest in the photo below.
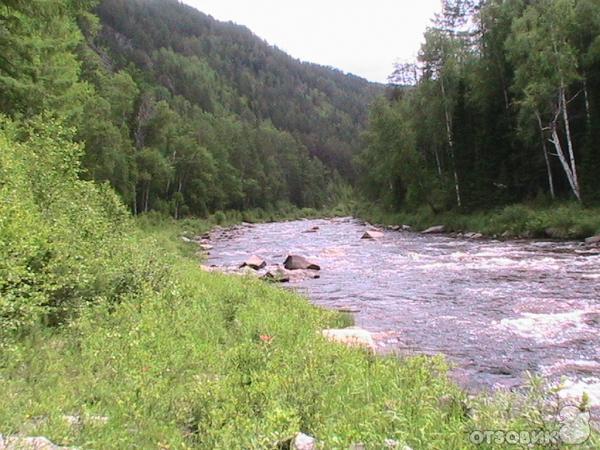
[501,107]
[180,113]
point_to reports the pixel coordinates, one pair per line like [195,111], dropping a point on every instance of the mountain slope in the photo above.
[223,66]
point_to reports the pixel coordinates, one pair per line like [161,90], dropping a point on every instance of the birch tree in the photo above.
[546,66]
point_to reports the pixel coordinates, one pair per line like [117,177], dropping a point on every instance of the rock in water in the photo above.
[254,262]
[435,229]
[352,337]
[372,234]
[296,262]
[304,442]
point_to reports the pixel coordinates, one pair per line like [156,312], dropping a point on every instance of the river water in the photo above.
[495,309]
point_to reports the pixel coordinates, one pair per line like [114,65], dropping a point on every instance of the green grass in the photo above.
[560,221]
[183,366]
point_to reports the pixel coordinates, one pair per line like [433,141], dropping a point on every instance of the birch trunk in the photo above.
[546,158]
[563,160]
[570,143]
[450,143]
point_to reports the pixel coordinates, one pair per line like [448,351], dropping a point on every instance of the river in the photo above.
[496,309]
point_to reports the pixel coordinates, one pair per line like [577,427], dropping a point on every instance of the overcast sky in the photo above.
[358,36]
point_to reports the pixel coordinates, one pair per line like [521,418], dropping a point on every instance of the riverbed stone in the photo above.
[297,262]
[312,230]
[372,234]
[593,240]
[254,262]
[29,443]
[435,229]
[351,336]
[304,442]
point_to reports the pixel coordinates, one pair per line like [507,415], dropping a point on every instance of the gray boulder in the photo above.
[593,240]
[304,442]
[254,262]
[297,262]
[372,234]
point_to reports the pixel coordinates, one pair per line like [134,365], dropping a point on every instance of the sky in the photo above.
[357,36]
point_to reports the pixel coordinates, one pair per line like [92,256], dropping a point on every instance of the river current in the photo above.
[496,309]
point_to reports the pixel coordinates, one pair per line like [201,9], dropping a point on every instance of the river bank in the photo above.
[211,361]
[566,221]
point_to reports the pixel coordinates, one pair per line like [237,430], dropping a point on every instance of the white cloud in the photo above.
[364,38]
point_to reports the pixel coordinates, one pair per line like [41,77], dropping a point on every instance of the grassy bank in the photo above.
[187,364]
[560,221]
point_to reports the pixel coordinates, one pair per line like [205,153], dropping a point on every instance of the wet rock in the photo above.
[395,227]
[352,337]
[28,443]
[473,235]
[312,230]
[304,442]
[254,262]
[593,240]
[206,247]
[277,275]
[372,234]
[297,262]
[435,229]
[406,228]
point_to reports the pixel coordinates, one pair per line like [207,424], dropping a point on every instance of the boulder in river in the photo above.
[352,337]
[312,230]
[593,240]
[435,229]
[395,227]
[297,262]
[277,275]
[372,234]
[254,262]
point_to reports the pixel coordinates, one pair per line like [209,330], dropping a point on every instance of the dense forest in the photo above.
[179,112]
[502,106]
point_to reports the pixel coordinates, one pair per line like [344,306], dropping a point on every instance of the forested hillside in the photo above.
[179,112]
[502,106]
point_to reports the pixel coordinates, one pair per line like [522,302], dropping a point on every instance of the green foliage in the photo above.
[63,241]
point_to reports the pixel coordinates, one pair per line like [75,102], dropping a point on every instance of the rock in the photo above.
[406,228]
[312,230]
[278,275]
[357,446]
[28,443]
[296,262]
[506,234]
[435,229]
[186,240]
[254,262]
[304,442]
[206,247]
[473,235]
[79,421]
[372,234]
[593,240]
[395,228]
[391,443]
[352,337]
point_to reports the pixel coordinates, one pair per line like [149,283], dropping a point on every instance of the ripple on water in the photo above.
[496,309]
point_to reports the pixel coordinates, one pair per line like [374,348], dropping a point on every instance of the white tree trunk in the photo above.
[569,143]
[450,142]
[546,158]
[563,160]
